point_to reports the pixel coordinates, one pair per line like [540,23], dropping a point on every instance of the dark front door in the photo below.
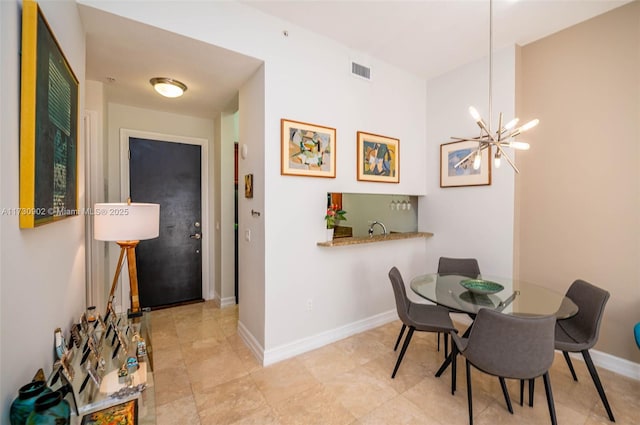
[170,266]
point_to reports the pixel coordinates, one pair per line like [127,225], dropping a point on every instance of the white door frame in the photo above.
[125,134]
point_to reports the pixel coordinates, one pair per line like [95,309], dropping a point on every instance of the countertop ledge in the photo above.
[377,238]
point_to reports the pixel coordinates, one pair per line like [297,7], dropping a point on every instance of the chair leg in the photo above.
[507,399]
[531,385]
[522,392]
[438,341]
[446,344]
[454,355]
[568,360]
[400,337]
[547,389]
[469,397]
[596,381]
[407,340]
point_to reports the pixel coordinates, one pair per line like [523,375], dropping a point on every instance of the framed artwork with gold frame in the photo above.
[378,158]
[48,125]
[307,149]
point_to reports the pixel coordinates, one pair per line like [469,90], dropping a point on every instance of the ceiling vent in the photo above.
[360,71]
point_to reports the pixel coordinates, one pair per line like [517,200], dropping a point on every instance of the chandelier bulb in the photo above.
[523,146]
[477,161]
[529,125]
[474,113]
[496,161]
[511,124]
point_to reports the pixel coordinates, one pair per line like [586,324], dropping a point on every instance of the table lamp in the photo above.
[126,224]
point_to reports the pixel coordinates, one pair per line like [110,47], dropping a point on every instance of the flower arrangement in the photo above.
[334,214]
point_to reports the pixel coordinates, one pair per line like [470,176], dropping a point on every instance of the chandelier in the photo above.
[504,135]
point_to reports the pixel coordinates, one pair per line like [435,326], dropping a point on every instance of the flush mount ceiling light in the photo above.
[168,87]
[504,136]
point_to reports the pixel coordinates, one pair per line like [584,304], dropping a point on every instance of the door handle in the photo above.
[196,236]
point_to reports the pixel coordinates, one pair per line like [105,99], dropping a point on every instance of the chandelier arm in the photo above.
[465,139]
[483,146]
[508,159]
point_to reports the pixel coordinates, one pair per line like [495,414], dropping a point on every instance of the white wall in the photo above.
[42,272]
[251,267]
[474,221]
[306,78]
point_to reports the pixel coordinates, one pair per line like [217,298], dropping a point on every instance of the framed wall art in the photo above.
[378,158]
[463,175]
[48,125]
[307,149]
[248,185]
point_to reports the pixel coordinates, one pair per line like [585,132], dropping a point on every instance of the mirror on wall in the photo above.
[398,213]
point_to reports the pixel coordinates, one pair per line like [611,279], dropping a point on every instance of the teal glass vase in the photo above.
[24,404]
[50,409]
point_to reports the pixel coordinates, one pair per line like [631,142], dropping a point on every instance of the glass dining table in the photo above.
[510,296]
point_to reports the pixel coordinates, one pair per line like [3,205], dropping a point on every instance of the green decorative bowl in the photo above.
[480,286]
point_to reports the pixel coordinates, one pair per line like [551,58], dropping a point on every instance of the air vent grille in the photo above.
[361,71]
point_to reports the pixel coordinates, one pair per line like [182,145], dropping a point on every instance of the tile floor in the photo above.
[204,374]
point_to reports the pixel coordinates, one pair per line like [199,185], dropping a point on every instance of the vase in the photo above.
[330,234]
[23,405]
[50,409]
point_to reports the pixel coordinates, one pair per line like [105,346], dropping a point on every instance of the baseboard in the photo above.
[223,302]
[226,302]
[615,364]
[256,348]
[303,345]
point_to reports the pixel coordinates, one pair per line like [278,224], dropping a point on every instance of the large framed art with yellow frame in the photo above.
[48,125]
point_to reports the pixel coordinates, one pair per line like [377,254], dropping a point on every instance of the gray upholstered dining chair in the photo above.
[508,346]
[461,266]
[579,333]
[418,317]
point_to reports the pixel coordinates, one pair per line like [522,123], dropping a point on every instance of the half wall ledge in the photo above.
[377,238]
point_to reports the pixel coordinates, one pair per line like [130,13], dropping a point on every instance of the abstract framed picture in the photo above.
[122,414]
[248,185]
[464,174]
[48,125]
[307,149]
[378,158]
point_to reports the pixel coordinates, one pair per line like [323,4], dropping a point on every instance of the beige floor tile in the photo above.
[171,383]
[398,411]
[180,411]
[264,416]
[409,374]
[360,390]
[313,406]
[327,362]
[433,396]
[283,380]
[217,369]
[167,358]
[205,331]
[362,347]
[229,402]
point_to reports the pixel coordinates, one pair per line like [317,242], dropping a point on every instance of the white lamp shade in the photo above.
[126,222]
